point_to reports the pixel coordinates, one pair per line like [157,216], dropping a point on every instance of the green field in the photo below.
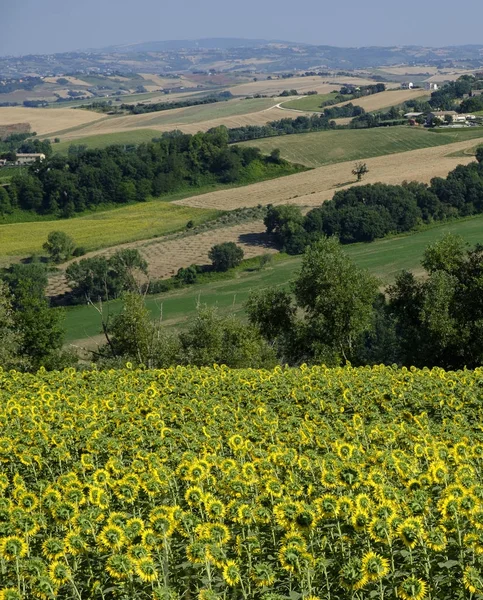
[328,147]
[204,112]
[107,228]
[384,258]
[310,103]
[133,136]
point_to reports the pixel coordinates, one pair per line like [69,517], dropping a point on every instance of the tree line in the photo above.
[331,313]
[365,213]
[62,186]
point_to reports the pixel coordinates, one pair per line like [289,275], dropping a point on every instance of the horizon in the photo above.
[54,27]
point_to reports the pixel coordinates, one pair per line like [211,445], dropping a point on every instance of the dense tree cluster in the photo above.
[89,178]
[31,332]
[287,126]
[365,213]
[348,110]
[335,312]
[24,143]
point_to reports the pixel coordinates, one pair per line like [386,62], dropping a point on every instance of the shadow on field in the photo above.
[261,240]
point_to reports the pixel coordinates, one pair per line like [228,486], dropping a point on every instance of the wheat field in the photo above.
[47,120]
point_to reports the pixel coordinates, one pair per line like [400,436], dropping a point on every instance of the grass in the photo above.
[311,103]
[384,258]
[107,228]
[328,147]
[134,136]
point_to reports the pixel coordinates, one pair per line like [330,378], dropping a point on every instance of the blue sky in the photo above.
[44,26]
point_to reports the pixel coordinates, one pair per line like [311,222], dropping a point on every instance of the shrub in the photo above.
[225,256]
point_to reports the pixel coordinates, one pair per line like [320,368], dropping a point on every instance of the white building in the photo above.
[28,159]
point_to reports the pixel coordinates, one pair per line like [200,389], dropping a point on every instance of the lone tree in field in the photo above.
[59,245]
[225,256]
[360,170]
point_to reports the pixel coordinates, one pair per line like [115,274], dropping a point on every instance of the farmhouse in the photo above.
[407,86]
[28,159]
[442,114]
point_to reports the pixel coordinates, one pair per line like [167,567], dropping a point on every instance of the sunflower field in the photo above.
[205,484]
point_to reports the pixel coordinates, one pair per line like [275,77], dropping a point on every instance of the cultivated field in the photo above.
[107,228]
[166,256]
[129,137]
[309,103]
[275,86]
[47,120]
[307,189]
[233,113]
[326,147]
[174,483]
[385,258]
[387,99]
[311,188]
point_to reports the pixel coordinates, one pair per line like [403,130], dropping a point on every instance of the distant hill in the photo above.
[177,45]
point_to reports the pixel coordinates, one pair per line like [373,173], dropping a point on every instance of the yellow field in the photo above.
[71,80]
[406,70]
[139,221]
[275,86]
[387,99]
[47,120]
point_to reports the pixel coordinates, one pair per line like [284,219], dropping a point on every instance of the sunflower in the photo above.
[194,496]
[28,501]
[413,588]
[274,488]
[206,594]
[217,532]
[326,506]
[436,539]
[215,509]
[231,573]
[59,572]
[351,576]
[13,548]
[74,542]
[146,569]
[374,566]
[196,552]
[411,531]
[53,548]
[472,580]
[112,537]
[293,558]
[120,566]
[360,520]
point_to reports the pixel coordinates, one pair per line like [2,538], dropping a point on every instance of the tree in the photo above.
[272,311]
[40,326]
[5,204]
[129,266]
[337,298]
[213,339]
[479,154]
[101,278]
[360,170]
[134,336]
[440,319]
[59,245]
[225,256]
[11,338]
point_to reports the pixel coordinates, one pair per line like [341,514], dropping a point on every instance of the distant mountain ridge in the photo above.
[198,44]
